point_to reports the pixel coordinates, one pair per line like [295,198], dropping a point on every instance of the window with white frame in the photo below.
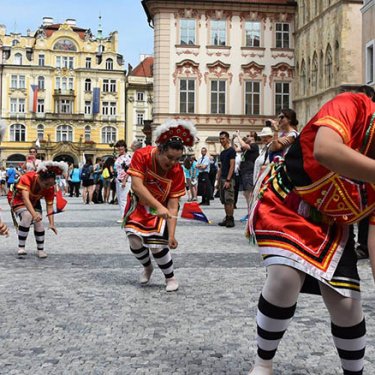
[88,84]
[65,106]
[88,107]
[252,98]
[18,59]
[187,31]
[64,133]
[64,83]
[140,118]
[370,62]
[17,81]
[218,97]
[65,62]
[109,64]
[282,35]
[17,105]
[41,83]
[109,85]
[40,106]
[41,60]
[17,133]
[187,95]
[252,34]
[218,32]
[140,96]
[108,134]
[40,132]
[88,62]
[282,96]
[87,133]
[109,108]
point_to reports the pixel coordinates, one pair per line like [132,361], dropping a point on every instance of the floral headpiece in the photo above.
[56,167]
[182,130]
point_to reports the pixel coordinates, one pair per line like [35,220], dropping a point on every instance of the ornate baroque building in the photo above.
[328,56]
[368,42]
[62,86]
[224,65]
[139,98]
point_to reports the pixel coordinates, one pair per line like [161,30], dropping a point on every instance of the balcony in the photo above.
[65,116]
[109,118]
[64,93]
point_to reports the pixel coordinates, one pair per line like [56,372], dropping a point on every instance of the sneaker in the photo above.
[41,254]
[172,284]
[145,276]
[230,222]
[244,219]
[21,252]
[224,222]
[119,221]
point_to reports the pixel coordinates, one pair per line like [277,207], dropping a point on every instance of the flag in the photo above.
[96,100]
[192,211]
[61,202]
[37,143]
[35,89]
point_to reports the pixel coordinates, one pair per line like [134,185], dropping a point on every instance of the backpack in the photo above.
[85,173]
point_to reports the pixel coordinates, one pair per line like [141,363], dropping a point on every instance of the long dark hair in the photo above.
[290,115]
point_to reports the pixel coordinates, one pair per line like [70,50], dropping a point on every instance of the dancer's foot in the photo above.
[41,254]
[261,367]
[145,276]
[172,284]
[21,253]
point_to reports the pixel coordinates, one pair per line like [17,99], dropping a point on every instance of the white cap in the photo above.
[266,132]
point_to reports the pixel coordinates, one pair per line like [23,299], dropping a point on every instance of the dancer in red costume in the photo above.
[299,217]
[157,184]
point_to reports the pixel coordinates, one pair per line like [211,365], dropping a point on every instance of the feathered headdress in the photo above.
[2,129]
[183,130]
[56,167]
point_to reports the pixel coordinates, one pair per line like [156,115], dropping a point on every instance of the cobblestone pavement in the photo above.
[81,310]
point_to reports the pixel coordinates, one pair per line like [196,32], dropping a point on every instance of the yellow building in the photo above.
[64,87]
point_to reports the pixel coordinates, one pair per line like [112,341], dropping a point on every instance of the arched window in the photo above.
[41,83]
[87,133]
[64,133]
[40,132]
[314,73]
[303,78]
[328,66]
[109,64]
[337,59]
[18,59]
[108,134]
[321,70]
[18,133]
[88,84]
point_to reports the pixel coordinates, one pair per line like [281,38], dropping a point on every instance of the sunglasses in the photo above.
[281,117]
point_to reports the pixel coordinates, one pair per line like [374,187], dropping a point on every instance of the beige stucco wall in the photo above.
[368,30]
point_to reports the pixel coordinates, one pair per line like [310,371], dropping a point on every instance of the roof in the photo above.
[144,69]
[50,29]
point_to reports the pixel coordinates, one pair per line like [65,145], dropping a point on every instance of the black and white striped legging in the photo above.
[24,227]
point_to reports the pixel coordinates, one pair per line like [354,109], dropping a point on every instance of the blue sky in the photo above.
[125,16]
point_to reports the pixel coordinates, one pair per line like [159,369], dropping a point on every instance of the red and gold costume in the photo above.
[138,218]
[28,182]
[302,211]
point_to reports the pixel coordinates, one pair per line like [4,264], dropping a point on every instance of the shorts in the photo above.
[2,182]
[106,182]
[247,180]
[87,183]
[226,195]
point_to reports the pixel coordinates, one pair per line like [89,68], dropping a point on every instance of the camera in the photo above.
[268,124]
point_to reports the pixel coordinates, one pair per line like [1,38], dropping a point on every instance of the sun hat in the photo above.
[266,132]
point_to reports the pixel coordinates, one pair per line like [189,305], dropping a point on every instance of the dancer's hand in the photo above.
[163,212]
[37,217]
[53,228]
[172,243]
[4,231]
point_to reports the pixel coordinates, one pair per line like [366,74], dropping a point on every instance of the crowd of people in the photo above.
[304,192]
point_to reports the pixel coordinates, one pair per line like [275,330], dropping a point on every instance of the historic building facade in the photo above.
[64,87]
[368,42]
[139,98]
[223,65]
[328,56]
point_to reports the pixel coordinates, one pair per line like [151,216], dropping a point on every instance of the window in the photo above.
[17,82]
[314,73]
[328,67]
[218,96]
[13,105]
[140,96]
[40,106]
[88,84]
[218,33]
[87,133]
[109,64]
[252,34]
[252,98]
[187,31]
[109,85]
[17,133]
[370,58]
[64,62]
[282,35]
[88,62]
[140,118]
[41,60]
[109,108]
[18,59]
[282,95]
[21,82]
[17,105]
[88,108]
[108,134]
[40,132]
[64,106]
[303,78]
[64,133]
[187,96]
[64,83]
[41,83]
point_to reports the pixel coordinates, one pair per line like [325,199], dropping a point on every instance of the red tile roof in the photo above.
[144,69]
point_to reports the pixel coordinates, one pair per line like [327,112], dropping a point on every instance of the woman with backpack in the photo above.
[88,184]
[75,181]
[107,176]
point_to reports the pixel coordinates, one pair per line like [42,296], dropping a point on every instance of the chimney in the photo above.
[71,22]
[47,21]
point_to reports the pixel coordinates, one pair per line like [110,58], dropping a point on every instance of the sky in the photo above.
[125,16]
